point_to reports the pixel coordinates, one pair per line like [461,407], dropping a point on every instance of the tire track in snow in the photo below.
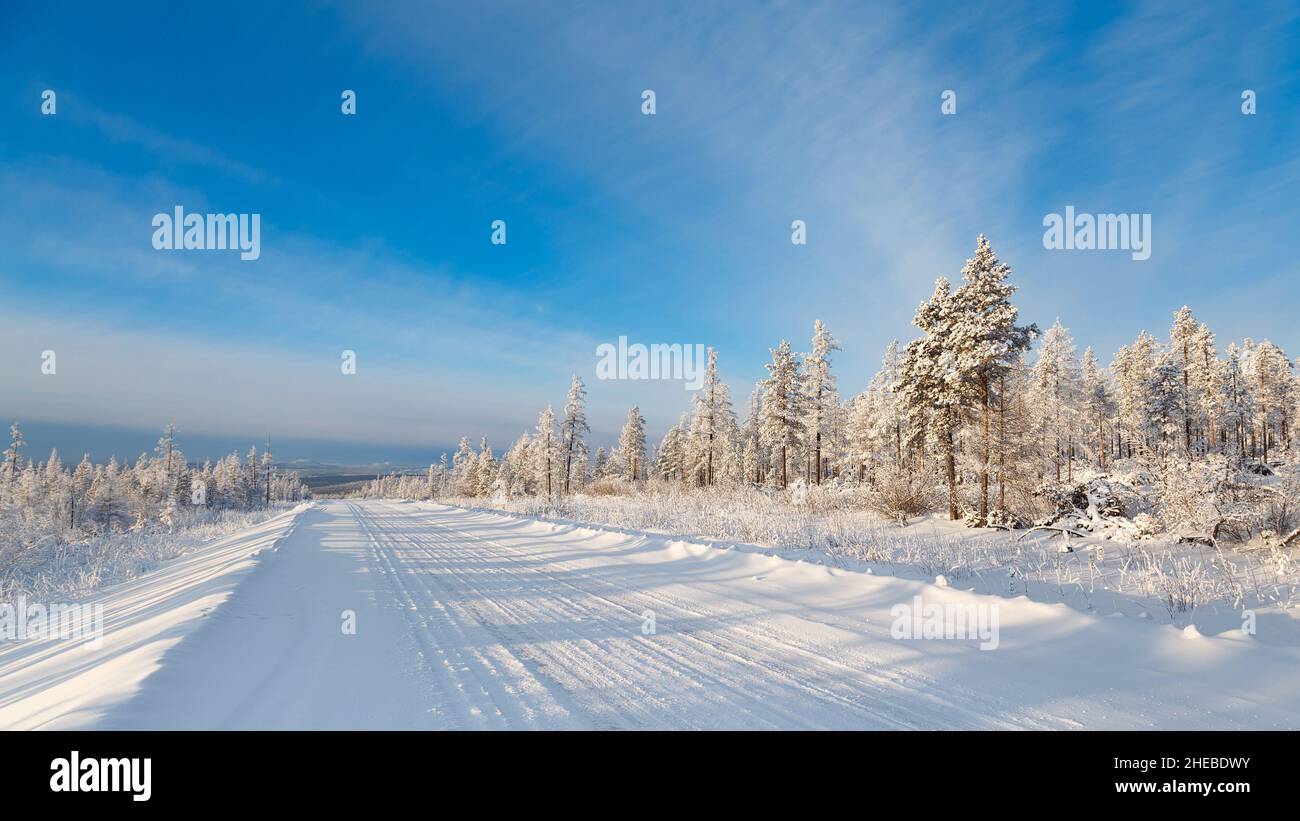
[754,658]
[945,705]
[457,704]
[510,694]
[616,671]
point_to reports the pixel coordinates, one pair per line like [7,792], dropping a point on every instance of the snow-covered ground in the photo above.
[469,619]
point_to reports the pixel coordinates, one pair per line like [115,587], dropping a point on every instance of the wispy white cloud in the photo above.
[120,128]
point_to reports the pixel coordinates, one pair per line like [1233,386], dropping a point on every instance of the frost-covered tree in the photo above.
[545,451]
[267,474]
[1097,405]
[1211,382]
[1057,393]
[713,425]
[485,470]
[783,410]
[165,452]
[671,455]
[932,386]
[820,399]
[80,490]
[753,453]
[14,452]
[631,445]
[1183,343]
[876,420]
[1272,384]
[986,339]
[462,465]
[573,429]
[1134,371]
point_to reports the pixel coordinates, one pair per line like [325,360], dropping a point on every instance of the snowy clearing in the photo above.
[468,619]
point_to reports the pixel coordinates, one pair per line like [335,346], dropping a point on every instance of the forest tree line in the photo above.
[52,500]
[980,406]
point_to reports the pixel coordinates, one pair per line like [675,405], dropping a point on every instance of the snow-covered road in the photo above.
[470,619]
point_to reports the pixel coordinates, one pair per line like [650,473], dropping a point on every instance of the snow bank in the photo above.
[71,684]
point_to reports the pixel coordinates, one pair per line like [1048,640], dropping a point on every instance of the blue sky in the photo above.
[670,228]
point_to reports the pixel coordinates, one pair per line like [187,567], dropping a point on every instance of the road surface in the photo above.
[376,614]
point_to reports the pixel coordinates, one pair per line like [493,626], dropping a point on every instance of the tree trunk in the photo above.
[951,459]
[1101,443]
[985,452]
[1002,442]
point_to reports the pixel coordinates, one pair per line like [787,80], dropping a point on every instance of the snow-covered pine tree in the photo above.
[1213,388]
[752,458]
[671,457]
[81,479]
[820,398]
[1164,411]
[485,474]
[877,419]
[1056,394]
[713,424]
[1183,344]
[932,387]
[251,487]
[545,451]
[1271,383]
[461,464]
[1133,369]
[631,444]
[14,452]
[783,410]
[266,473]
[573,429]
[986,339]
[1097,404]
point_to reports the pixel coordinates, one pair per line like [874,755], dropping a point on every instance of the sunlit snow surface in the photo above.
[468,619]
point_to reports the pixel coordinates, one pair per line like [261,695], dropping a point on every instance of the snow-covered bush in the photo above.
[900,495]
[50,566]
[609,486]
[1100,506]
[1280,511]
[1190,499]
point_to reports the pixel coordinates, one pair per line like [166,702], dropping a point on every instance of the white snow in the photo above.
[469,619]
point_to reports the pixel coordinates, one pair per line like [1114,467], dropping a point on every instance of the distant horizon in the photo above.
[73,439]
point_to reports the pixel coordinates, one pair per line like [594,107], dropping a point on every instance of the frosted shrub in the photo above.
[609,487]
[1280,511]
[1189,499]
[901,495]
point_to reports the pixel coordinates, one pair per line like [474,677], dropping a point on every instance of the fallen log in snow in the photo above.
[1061,530]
